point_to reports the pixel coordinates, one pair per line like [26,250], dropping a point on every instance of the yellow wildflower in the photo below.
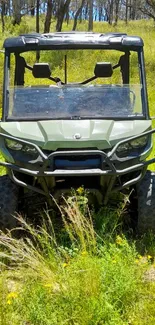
[83,253]
[149,257]
[140,257]
[65,265]
[12,295]
[136,261]
[48,285]
[119,240]
[9,302]
[114,261]
[80,190]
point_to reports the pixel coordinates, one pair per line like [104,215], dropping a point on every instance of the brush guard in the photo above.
[105,158]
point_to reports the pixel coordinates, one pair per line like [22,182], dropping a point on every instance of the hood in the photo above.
[56,134]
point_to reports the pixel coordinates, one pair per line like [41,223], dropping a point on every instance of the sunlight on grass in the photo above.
[78,276]
[90,281]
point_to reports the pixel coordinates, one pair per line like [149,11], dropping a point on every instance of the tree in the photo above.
[62,9]
[47,24]
[31,5]
[90,22]
[126,12]
[16,4]
[117,3]
[148,8]
[37,16]
[111,11]
[2,14]
[77,14]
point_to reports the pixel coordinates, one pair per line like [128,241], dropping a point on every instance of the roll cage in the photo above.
[73,40]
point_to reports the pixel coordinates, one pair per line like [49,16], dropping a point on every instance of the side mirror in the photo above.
[103,70]
[41,70]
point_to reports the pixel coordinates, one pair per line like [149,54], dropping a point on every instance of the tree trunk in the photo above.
[116,11]
[90,23]
[32,7]
[16,4]
[86,10]
[37,26]
[48,16]
[9,8]
[111,8]
[67,18]
[100,13]
[126,12]
[2,15]
[134,10]
[62,10]
[78,12]
[37,16]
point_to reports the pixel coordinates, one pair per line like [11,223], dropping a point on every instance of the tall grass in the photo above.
[88,282]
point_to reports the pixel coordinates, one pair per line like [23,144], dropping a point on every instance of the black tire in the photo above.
[146,203]
[8,202]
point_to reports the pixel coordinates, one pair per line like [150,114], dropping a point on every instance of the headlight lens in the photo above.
[134,144]
[17,146]
[14,145]
[139,143]
[29,149]
[124,147]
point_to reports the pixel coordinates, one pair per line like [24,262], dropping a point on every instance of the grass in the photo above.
[83,274]
[92,280]
[90,272]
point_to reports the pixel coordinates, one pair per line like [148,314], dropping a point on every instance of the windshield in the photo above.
[74,84]
[75,101]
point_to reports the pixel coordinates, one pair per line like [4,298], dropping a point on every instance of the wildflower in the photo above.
[114,261]
[48,285]
[136,261]
[80,190]
[83,253]
[149,257]
[119,240]
[140,257]
[12,295]
[9,302]
[65,265]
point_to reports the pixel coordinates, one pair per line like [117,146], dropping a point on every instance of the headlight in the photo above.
[17,146]
[12,144]
[134,144]
[139,143]
[29,149]
[124,147]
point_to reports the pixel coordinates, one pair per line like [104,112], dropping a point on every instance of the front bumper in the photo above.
[107,158]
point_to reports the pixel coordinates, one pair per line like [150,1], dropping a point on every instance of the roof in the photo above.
[73,40]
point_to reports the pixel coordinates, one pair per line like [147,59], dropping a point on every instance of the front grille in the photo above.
[77,162]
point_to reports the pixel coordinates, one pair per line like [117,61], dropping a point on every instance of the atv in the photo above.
[93,130]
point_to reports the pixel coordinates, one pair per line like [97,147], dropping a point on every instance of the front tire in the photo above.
[8,203]
[146,203]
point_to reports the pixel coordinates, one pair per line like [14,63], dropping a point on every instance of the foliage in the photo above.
[92,10]
[44,282]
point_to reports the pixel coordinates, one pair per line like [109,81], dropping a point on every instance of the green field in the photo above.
[83,268]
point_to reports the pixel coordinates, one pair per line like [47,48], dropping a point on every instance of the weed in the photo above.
[84,283]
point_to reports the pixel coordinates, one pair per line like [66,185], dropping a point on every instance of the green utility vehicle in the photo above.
[66,124]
